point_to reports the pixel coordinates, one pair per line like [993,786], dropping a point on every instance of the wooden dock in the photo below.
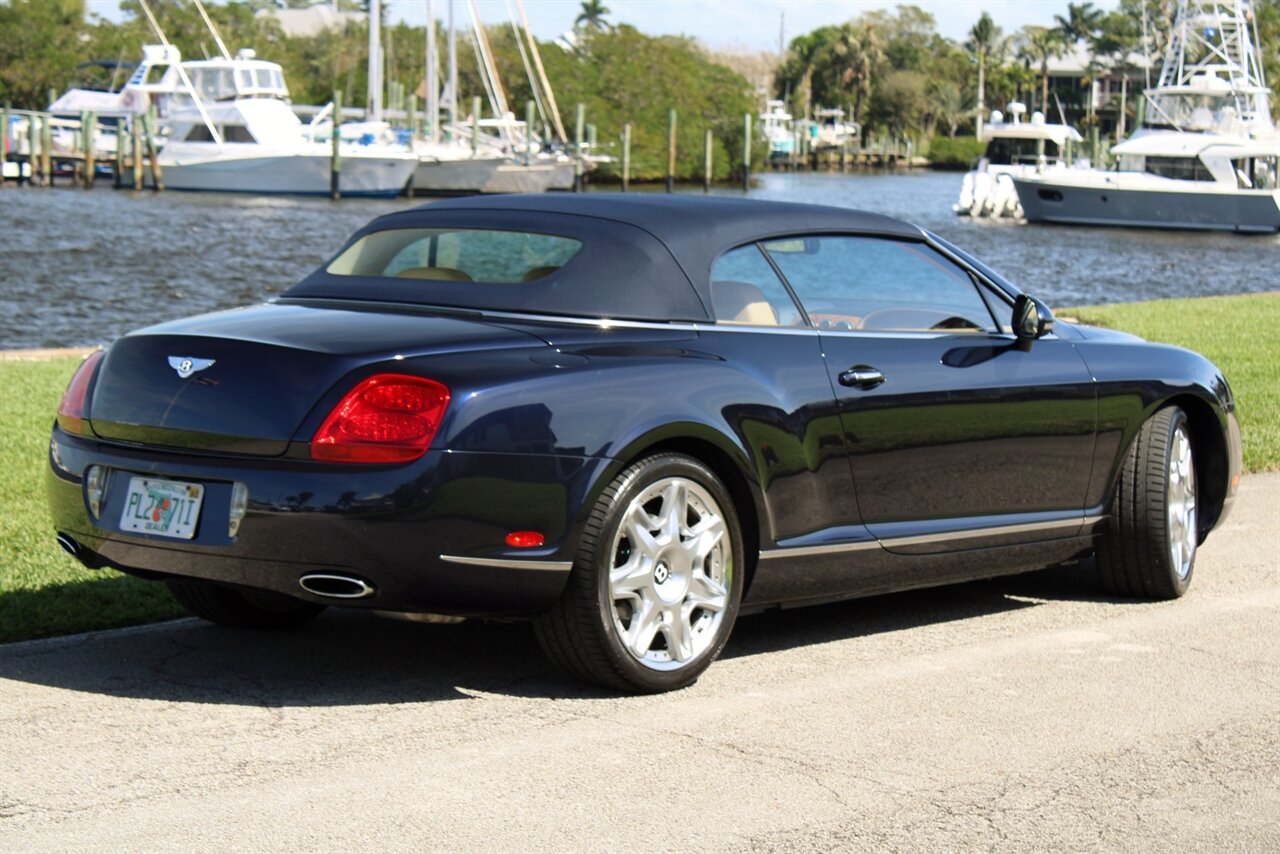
[38,148]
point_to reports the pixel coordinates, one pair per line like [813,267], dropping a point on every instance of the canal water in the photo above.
[81,268]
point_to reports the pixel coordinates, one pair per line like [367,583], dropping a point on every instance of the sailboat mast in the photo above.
[453,74]
[375,62]
[433,85]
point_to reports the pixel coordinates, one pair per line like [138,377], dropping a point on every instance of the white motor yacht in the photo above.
[1014,148]
[1207,154]
[238,134]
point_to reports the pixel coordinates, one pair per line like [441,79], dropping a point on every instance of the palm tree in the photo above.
[986,43]
[856,51]
[950,105]
[1040,45]
[1117,38]
[592,16]
[1081,23]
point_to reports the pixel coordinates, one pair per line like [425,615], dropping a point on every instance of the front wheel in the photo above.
[1149,547]
[657,582]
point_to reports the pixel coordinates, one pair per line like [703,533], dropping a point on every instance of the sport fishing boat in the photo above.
[1014,148]
[1206,155]
[235,132]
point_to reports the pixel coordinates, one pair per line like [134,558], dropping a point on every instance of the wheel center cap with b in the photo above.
[662,573]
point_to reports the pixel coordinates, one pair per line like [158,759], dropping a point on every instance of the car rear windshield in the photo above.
[455,255]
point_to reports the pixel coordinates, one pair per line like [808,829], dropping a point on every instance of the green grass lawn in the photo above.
[1240,334]
[45,592]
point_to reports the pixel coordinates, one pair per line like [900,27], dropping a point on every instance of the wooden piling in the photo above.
[626,157]
[153,152]
[33,148]
[135,151]
[335,149]
[529,118]
[90,132]
[414,132]
[46,150]
[578,166]
[706,162]
[4,142]
[475,125]
[671,150]
[746,152]
[117,178]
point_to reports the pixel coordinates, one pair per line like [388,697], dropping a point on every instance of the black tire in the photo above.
[228,606]
[1144,551]
[585,633]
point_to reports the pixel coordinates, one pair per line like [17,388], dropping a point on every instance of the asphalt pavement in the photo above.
[1027,713]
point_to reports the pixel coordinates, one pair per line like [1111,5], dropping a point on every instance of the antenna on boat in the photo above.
[182,74]
[213,30]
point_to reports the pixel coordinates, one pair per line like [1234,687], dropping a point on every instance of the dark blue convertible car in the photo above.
[629,419]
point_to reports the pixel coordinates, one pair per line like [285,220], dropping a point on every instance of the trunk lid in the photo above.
[243,381]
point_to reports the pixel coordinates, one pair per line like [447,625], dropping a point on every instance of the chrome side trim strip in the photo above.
[505,563]
[836,548]
[974,533]
[1087,522]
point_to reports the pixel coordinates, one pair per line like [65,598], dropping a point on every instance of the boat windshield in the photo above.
[1003,151]
[1199,111]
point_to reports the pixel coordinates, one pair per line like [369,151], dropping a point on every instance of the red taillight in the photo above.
[388,418]
[76,399]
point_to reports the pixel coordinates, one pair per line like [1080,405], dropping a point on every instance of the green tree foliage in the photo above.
[622,75]
[41,42]
[1037,46]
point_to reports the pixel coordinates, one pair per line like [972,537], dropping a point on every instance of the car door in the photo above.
[778,400]
[958,434]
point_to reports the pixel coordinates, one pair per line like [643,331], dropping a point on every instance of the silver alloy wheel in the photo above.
[671,574]
[1181,503]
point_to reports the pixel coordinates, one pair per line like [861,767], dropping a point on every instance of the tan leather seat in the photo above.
[742,302]
[537,273]
[443,274]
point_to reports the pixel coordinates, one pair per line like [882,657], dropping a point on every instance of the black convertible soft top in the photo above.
[644,256]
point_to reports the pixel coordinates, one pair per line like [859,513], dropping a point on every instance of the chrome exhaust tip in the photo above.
[69,546]
[333,586]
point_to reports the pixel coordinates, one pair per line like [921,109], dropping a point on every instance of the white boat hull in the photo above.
[489,175]
[301,174]
[1199,209]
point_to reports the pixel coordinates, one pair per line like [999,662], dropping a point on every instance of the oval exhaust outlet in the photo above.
[69,545]
[334,586]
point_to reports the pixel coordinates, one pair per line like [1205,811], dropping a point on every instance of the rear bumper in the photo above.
[388,526]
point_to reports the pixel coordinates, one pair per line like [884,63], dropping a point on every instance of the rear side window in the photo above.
[456,255]
[746,290]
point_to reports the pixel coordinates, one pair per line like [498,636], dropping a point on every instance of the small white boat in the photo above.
[1014,148]
[775,125]
[1208,153]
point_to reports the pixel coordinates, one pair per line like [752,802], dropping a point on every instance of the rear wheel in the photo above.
[657,582]
[228,606]
[1149,549]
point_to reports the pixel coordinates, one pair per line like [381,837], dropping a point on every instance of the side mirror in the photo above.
[1032,319]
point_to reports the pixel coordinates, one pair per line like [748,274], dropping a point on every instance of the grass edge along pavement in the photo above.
[44,592]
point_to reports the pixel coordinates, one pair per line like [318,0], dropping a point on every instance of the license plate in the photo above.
[165,508]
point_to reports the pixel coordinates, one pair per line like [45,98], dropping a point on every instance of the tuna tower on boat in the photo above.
[1206,155]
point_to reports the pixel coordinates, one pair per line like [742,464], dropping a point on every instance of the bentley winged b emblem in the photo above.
[186,365]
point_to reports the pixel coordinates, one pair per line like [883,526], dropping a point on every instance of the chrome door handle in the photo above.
[861,376]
